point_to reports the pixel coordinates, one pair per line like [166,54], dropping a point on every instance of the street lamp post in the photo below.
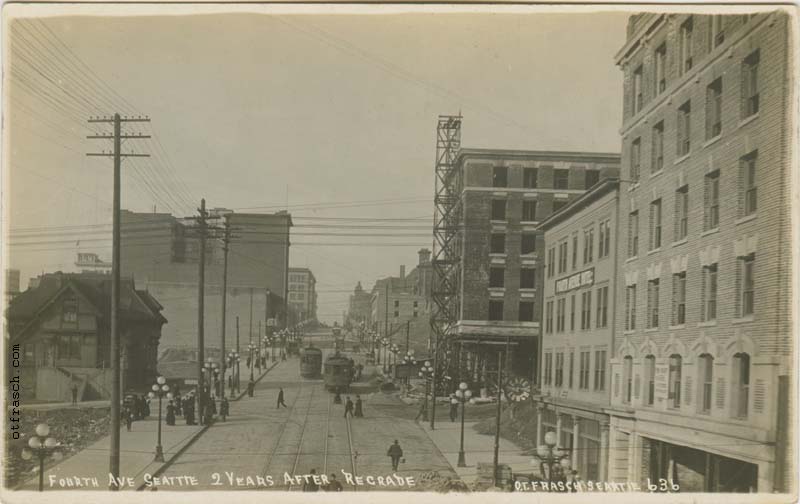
[463,395]
[427,373]
[41,445]
[550,455]
[385,345]
[252,348]
[272,344]
[159,389]
[233,358]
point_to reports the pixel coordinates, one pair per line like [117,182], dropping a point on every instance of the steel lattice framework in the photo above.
[447,244]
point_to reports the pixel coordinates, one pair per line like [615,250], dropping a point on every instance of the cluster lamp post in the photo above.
[160,389]
[549,454]
[463,395]
[41,445]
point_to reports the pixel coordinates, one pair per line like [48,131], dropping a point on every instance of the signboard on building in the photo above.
[583,278]
[661,383]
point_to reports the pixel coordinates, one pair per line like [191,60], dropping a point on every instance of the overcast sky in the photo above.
[334,114]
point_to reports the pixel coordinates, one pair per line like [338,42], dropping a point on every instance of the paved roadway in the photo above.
[262,444]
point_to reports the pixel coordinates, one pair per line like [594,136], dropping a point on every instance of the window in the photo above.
[561,179]
[684,128]
[650,378]
[69,308]
[714,109]
[633,234]
[592,178]
[561,312]
[746,285]
[528,210]
[551,262]
[583,381]
[741,386]
[530,178]
[497,277]
[661,65]
[69,347]
[498,244]
[674,391]
[528,243]
[747,170]
[686,49]
[600,370]
[526,311]
[588,245]
[750,105]
[679,298]
[711,201]
[638,98]
[716,35]
[562,257]
[495,310]
[627,378]
[498,209]
[630,307]
[636,160]
[571,368]
[527,278]
[549,317]
[574,251]
[706,374]
[601,320]
[548,368]
[652,303]
[709,292]
[657,163]
[500,176]
[586,310]
[396,303]
[572,313]
[396,314]
[559,204]
[655,224]
[681,213]
[559,369]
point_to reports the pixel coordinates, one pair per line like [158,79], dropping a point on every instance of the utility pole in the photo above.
[114,344]
[226,239]
[201,221]
[238,368]
[386,318]
[251,317]
[408,330]
[500,365]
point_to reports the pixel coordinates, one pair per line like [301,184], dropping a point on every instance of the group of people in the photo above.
[333,484]
[136,407]
[354,409]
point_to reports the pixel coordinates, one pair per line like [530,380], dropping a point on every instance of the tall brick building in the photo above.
[302,294]
[702,352]
[506,194]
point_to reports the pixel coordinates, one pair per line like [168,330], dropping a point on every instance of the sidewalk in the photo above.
[477,448]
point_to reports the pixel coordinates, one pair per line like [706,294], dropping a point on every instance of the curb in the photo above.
[194,438]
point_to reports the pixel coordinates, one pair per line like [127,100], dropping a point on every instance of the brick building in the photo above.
[578,327]
[360,307]
[161,252]
[702,351]
[302,294]
[506,194]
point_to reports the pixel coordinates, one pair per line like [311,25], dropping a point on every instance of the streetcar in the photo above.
[339,372]
[310,362]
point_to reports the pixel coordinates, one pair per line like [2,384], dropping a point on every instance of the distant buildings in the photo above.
[360,307]
[302,294]
[62,327]
[11,284]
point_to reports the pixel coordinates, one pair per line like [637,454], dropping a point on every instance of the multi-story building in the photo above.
[359,307]
[578,327]
[701,360]
[162,253]
[506,194]
[303,294]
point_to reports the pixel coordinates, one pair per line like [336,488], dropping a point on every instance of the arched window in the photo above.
[650,374]
[741,378]
[675,363]
[627,378]
[706,375]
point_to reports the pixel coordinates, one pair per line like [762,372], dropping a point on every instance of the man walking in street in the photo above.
[348,407]
[334,485]
[423,412]
[359,407]
[280,399]
[251,387]
[395,452]
[74,393]
[311,485]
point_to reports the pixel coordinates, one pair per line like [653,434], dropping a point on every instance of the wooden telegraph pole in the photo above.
[201,221]
[114,344]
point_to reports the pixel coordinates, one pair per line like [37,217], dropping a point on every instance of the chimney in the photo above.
[402,271]
[424,256]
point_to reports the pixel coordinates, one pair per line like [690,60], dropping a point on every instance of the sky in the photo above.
[332,117]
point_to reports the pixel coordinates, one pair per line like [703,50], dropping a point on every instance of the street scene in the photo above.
[532,250]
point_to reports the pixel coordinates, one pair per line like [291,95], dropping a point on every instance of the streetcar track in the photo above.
[302,435]
[274,450]
[327,436]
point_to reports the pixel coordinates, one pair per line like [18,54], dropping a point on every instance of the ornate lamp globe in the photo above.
[50,442]
[42,430]
[161,380]
[565,463]
[154,387]
[34,443]
[151,395]
[454,401]
[550,438]
[169,395]
[427,363]
[459,394]
[462,386]
[26,454]
[543,451]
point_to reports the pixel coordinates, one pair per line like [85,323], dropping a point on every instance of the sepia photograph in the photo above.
[527,251]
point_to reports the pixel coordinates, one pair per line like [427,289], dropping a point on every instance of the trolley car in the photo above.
[310,362]
[339,372]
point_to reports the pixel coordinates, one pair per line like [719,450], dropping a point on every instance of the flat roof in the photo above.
[614,157]
[600,189]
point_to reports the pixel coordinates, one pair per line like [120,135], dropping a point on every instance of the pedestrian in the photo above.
[280,399]
[453,410]
[310,485]
[348,407]
[74,393]
[224,407]
[334,485]
[251,387]
[359,411]
[178,405]
[128,416]
[146,408]
[423,411]
[209,412]
[170,413]
[189,412]
[395,452]
[283,356]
